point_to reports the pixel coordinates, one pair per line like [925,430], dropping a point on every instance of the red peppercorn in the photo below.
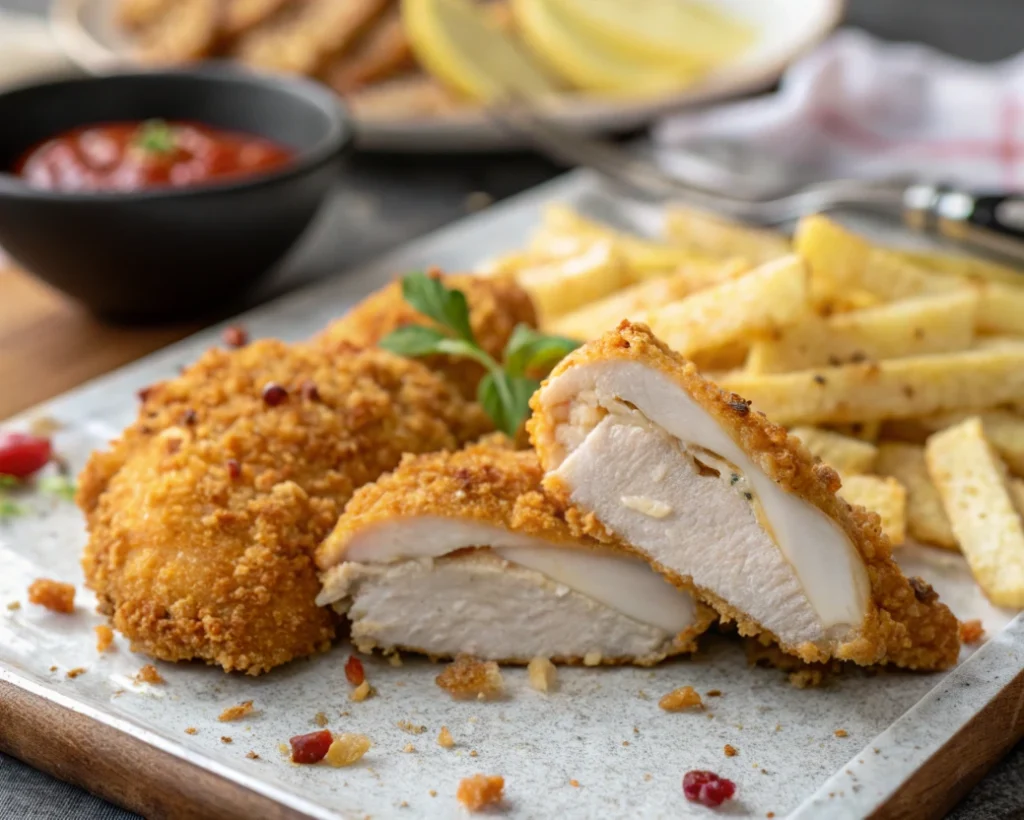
[707,788]
[274,394]
[234,468]
[21,455]
[310,748]
[354,670]
[235,336]
[309,391]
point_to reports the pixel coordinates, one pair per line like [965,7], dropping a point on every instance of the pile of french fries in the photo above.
[902,370]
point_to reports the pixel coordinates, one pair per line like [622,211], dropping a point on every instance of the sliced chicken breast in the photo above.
[462,553]
[639,448]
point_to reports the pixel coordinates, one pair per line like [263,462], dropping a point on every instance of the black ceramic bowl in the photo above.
[171,252]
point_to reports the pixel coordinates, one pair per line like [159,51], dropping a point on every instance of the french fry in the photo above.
[973,485]
[890,277]
[1003,429]
[714,236]
[926,519]
[835,257]
[564,285]
[769,297]
[868,431]
[963,267]
[996,342]
[848,456]
[890,389]
[1001,309]
[914,327]
[597,317]
[884,496]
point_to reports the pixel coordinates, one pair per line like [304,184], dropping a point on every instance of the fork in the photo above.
[991,223]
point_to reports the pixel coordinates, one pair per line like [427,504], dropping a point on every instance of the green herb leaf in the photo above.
[506,399]
[445,306]
[9,509]
[413,340]
[156,137]
[530,350]
[61,486]
[8,482]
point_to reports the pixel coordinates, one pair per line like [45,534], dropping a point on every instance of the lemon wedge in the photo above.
[585,61]
[462,44]
[660,32]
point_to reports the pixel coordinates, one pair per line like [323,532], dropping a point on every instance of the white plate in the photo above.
[787,28]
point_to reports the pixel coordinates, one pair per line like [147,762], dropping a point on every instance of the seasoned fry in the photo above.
[567,284]
[711,235]
[769,297]
[602,315]
[381,52]
[1001,308]
[926,519]
[186,31]
[890,276]
[884,496]
[835,257]
[846,455]
[973,484]
[1003,429]
[891,389]
[915,327]
[961,267]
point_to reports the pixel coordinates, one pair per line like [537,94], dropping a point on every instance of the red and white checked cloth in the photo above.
[857,107]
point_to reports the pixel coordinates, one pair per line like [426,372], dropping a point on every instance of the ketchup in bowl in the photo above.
[135,156]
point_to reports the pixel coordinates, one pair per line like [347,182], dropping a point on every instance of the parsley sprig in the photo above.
[505,390]
[156,137]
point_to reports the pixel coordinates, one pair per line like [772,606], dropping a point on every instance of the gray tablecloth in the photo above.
[386,201]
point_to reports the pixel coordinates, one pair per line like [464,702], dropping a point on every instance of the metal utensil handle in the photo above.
[990,222]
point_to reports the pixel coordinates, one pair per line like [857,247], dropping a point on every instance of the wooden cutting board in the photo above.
[49,343]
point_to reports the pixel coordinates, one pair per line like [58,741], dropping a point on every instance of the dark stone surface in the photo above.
[384,201]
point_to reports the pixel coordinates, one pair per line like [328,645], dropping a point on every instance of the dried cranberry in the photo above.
[707,788]
[21,455]
[274,394]
[234,468]
[235,336]
[310,748]
[309,391]
[354,670]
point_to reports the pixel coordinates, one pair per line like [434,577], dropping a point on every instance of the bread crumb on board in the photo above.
[104,637]
[55,596]
[445,739]
[236,712]
[466,677]
[480,791]
[685,697]
[148,674]
[543,675]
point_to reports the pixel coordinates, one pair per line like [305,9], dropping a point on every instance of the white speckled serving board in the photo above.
[603,728]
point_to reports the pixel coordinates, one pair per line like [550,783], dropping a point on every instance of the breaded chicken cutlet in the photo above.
[496,306]
[461,553]
[639,447]
[203,517]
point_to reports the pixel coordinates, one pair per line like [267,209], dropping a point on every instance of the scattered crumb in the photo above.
[346,713]
[778,727]
[643,695]
[104,637]
[592,659]
[404,804]
[410,727]
[13,605]
[467,677]
[118,693]
[74,673]
[320,719]
[361,692]
[346,749]
[971,631]
[236,712]
[226,739]
[472,753]
[395,660]
[148,674]
[682,698]
[432,793]
[252,755]
[714,693]
[191,730]
[731,751]
[283,749]
[574,783]
[543,675]
[636,730]
[473,718]
[445,739]
[807,678]
[770,815]
[841,733]
[625,743]
[409,748]
[647,777]
[480,791]
[55,596]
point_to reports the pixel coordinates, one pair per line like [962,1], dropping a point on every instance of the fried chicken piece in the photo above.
[460,553]
[204,515]
[650,452]
[496,306]
[381,52]
[242,16]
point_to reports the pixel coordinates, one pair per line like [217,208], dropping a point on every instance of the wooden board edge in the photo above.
[120,768]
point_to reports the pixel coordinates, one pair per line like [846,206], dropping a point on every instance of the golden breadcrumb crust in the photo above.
[204,515]
[905,625]
[489,482]
[496,306]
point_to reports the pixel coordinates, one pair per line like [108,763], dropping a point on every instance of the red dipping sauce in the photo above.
[136,156]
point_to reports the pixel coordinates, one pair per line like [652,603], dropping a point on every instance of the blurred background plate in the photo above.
[87,31]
